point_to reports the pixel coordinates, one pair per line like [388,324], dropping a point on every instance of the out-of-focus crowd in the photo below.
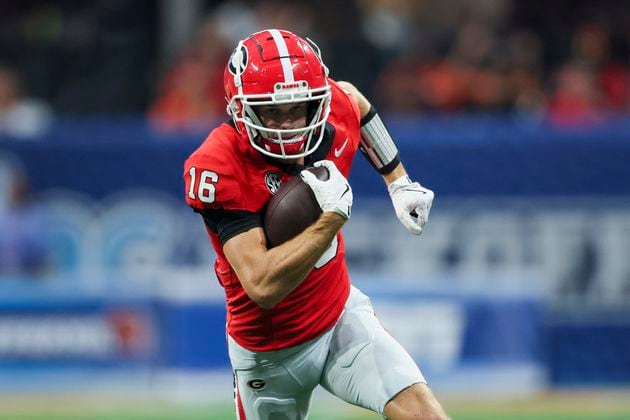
[430,56]
[563,60]
[493,61]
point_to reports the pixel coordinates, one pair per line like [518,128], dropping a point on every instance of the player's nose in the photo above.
[286,122]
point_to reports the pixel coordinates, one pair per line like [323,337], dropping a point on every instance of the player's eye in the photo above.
[269,112]
[298,109]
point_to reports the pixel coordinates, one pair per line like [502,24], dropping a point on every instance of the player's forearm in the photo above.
[288,264]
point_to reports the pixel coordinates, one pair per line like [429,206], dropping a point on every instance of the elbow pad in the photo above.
[377,144]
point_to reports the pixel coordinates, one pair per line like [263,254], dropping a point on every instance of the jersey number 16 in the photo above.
[205,189]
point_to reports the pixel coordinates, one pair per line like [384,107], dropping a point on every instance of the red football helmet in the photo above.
[275,67]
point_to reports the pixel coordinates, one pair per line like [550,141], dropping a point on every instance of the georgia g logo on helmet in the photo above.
[238,60]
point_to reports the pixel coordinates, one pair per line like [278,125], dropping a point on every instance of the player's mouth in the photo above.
[286,138]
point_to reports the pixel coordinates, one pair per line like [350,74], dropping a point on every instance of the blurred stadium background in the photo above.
[516,299]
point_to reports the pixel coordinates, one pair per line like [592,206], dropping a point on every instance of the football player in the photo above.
[294,321]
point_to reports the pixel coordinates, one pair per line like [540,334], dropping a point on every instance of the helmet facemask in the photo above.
[284,143]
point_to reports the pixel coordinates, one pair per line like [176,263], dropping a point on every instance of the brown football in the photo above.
[292,209]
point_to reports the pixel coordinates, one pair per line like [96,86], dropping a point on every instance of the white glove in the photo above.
[412,203]
[334,194]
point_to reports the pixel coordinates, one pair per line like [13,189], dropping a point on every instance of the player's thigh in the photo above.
[272,385]
[366,366]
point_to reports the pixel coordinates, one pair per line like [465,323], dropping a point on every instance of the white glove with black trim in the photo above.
[412,203]
[334,194]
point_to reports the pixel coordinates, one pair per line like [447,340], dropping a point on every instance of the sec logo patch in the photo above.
[272,180]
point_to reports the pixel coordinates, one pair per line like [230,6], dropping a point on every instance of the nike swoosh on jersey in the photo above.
[340,150]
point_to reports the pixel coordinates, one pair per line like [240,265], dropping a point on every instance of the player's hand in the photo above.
[334,194]
[412,203]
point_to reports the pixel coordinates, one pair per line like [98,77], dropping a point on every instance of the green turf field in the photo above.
[557,406]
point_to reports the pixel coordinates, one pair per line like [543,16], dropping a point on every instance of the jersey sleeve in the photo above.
[229,223]
[214,190]
[356,112]
[211,184]
[346,117]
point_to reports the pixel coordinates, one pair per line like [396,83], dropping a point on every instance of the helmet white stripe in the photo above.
[283,52]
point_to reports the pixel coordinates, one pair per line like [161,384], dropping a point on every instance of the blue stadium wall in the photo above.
[459,157]
[466,156]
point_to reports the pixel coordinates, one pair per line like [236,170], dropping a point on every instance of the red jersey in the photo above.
[226,176]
